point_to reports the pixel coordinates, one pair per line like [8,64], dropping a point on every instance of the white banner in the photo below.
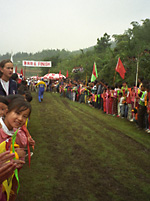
[37,63]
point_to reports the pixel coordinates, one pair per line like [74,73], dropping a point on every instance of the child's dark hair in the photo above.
[22,87]
[24,82]
[3,100]
[11,97]
[19,105]
[28,96]
[21,92]
[14,76]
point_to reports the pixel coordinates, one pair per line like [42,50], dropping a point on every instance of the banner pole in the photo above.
[137,71]
[25,72]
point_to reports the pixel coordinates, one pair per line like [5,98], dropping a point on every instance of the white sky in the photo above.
[34,25]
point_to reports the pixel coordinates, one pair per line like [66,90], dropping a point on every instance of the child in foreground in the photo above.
[23,136]
[18,111]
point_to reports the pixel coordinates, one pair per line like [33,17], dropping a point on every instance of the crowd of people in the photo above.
[15,110]
[121,100]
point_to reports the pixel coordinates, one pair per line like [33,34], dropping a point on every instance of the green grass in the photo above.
[82,154]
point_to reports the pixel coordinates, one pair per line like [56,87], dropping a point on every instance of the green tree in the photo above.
[103,43]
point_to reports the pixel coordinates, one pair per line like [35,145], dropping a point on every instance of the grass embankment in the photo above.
[82,154]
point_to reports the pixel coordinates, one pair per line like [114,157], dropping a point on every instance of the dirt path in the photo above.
[82,154]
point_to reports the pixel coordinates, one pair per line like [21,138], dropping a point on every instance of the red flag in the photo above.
[16,69]
[67,74]
[59,72]
[120,68]
[48,70]
[21,72]
[94,73]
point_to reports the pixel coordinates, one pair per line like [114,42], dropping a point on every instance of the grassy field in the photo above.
[82,154]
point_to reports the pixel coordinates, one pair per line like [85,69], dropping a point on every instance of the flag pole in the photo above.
[86,79]
[25,72]
[115,73]
[137,71]
[136,81]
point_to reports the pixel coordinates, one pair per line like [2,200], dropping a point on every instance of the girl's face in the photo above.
[15,119]
[7,71]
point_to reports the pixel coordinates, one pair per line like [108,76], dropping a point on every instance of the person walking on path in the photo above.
[42,87]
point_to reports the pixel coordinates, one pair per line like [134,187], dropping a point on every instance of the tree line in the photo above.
[132,46]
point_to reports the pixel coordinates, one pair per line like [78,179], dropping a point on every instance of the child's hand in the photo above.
[19,163]
[20,151]
[6,156]
[31,141]
[6,168]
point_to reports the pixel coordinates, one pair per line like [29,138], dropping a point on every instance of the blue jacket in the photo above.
[12,88]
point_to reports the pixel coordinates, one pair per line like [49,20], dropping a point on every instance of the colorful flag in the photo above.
[120,68]
[94,73]
[59,72]
[16,69]
[7,184]
[67,74]
[21,72]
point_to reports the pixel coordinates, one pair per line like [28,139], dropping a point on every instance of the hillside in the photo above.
[132,47]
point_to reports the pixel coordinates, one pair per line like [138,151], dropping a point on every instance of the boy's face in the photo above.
[3,109]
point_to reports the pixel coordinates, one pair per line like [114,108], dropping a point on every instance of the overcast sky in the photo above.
[34,25]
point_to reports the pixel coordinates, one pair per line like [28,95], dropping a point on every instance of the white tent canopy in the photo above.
[53,76]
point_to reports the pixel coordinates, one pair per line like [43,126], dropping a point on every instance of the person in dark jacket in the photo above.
[7,85]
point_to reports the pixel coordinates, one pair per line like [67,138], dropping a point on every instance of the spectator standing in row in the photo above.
[7,85]
[142,108]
